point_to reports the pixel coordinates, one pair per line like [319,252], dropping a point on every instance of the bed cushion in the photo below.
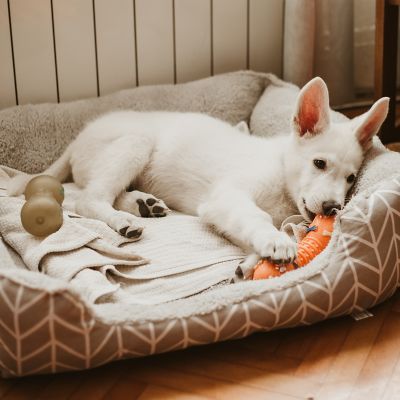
[46,325]
[33,136]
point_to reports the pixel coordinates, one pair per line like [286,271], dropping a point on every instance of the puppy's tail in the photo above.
[60,169]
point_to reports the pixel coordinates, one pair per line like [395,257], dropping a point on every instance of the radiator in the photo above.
[60,50]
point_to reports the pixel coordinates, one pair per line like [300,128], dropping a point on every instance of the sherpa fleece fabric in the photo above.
[33,136]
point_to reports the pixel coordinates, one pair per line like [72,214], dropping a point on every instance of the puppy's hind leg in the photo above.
[111,172]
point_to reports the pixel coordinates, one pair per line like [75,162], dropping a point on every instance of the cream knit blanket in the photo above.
[184,256]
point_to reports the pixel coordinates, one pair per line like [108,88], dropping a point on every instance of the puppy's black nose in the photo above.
[330,207]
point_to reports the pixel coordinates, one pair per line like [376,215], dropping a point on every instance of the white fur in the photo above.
[243,185]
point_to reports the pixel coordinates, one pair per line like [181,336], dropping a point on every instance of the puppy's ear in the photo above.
[312,110]
[368,124]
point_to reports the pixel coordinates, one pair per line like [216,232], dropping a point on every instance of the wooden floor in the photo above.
[336,359]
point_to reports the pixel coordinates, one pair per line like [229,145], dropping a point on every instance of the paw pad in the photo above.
[150,202]
[151,208]
[135,233]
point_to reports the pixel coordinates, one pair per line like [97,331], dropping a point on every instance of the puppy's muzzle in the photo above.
[330,207]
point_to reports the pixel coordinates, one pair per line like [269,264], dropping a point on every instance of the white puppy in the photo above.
[243,185]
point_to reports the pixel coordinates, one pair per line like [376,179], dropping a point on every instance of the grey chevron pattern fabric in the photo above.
[48,328]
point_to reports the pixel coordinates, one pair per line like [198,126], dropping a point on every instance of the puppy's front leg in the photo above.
[234,213]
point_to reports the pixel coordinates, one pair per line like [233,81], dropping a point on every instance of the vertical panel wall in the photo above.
[75,48]
[115,35]
[60,50]
[8,95]
[155,41]
[266,35]
[193,39]
[31,27]
[230,35]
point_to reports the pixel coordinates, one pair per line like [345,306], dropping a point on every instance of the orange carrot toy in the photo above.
[316,239]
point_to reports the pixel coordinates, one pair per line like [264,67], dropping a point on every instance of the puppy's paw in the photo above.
[141,204]
[152,207]
[276,246]
[126,225]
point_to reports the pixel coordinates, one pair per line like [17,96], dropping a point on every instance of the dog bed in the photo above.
[47,325]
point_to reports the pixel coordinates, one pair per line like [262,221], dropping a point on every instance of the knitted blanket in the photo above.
[177,257]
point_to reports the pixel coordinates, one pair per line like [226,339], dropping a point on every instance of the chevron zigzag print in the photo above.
[43,331]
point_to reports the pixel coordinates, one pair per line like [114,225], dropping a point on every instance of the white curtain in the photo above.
[332,39]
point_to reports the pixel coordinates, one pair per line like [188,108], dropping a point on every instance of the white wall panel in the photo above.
[115,45]
[72,49]
[266,35]
[33,50]
[155,43]
[230,35]
[75,47]
[193,39]
[7,96]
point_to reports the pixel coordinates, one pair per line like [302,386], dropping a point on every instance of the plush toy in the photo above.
[42,215]
[316,239]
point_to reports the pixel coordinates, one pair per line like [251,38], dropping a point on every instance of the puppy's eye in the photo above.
[320,164]
[351,178]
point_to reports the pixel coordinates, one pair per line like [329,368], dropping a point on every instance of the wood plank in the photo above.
[394,302]
[323,351]
[154,392]
[266,35]
[267,341]
[348,363]
[271,363]
[229,35]
[8,95]
[381,361]
[126,387]
[97,383]
[392,391]
[193,39]
[6,385]
[115,45]
[201,385]
[62,386]
[27,388]
[298,348]
[249,376]
[33,51]
[75,47]
[251,357]
[155,43]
